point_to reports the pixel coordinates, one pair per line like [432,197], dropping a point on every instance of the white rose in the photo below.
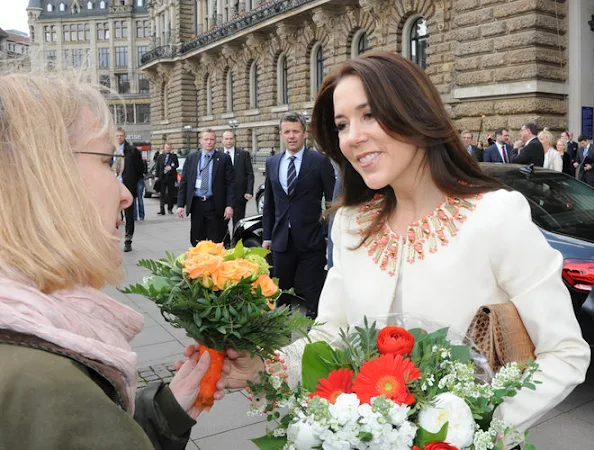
[453,410]
[303,436]
[344,410]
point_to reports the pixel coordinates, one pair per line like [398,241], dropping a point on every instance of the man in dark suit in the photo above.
[296,181]
[500,151]
[472,150]
[244,175]
[528,149]
[585,161]
[133,171]
[206,191]
[166,175]
[572,146]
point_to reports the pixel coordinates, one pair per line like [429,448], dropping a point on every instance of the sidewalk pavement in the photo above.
[227,426]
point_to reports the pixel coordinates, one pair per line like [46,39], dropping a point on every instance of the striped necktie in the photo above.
[204,175]
[291,176]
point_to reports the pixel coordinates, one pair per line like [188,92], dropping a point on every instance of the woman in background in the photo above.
[566,157]
[552,159]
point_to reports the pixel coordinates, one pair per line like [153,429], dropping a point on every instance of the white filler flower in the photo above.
[453,410]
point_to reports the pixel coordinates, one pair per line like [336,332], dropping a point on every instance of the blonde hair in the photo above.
[547,136]
[563,142]
[50,231]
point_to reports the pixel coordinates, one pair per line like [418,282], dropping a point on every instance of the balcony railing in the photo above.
[164,51]
[246,20]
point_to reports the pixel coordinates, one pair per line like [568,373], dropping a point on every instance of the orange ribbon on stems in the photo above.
[208,385]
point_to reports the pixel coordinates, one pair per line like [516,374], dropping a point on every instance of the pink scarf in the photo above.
[83,320]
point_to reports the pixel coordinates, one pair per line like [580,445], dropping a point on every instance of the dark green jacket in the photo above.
[51,398]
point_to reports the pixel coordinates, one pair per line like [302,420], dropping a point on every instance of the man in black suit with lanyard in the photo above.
[206,191]
[296,182]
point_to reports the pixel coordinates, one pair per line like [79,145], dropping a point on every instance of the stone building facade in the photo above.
[14,51]
[495,62]
[104,39]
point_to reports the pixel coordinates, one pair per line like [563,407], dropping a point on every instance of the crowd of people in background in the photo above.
[542,149]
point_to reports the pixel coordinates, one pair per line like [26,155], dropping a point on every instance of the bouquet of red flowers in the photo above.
[392,388]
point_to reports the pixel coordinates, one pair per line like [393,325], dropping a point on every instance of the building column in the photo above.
[199,16]
[219,12]
[581,60]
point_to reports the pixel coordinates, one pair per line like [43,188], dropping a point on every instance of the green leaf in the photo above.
[270,443]
[258,251]
[316,364]
[460,353]
[425,437]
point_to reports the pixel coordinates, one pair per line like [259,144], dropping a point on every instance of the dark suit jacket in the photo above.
[477,153]
[492,154]
[572,149]
[587,176]
[222,182]
[133,168]
[244,174]
[304,209]
[173,162]
[531,153]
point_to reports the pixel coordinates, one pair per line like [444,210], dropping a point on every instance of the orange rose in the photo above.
[395,340]
[201,265]
[233,271]
[268,286]
[208,247]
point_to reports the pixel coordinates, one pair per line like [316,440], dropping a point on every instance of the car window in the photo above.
[559,203]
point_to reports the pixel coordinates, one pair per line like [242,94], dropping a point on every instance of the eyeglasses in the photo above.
[113,155]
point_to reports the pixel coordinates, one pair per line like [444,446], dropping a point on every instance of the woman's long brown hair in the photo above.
[407,106]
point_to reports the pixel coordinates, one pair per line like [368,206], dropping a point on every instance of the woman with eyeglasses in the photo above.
[69,376]
[420,229]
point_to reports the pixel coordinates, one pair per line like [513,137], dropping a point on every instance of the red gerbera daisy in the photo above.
[338,382]
[386,375]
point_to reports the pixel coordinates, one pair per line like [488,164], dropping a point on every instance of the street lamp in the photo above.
[187,130]
[233,123]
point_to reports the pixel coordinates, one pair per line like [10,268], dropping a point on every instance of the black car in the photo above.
[260,198]
[562,207]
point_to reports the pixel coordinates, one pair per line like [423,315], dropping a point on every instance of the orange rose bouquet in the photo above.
[223,299]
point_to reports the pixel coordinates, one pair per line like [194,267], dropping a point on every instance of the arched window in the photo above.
[62,7]
[102,5]
[360,43]
[416,35]
[50,7]
[316,68]
[209,96]
[229,83]
[254,101]
[89,5]
[282,80]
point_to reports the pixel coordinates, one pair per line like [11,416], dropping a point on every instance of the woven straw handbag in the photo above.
[499,333]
